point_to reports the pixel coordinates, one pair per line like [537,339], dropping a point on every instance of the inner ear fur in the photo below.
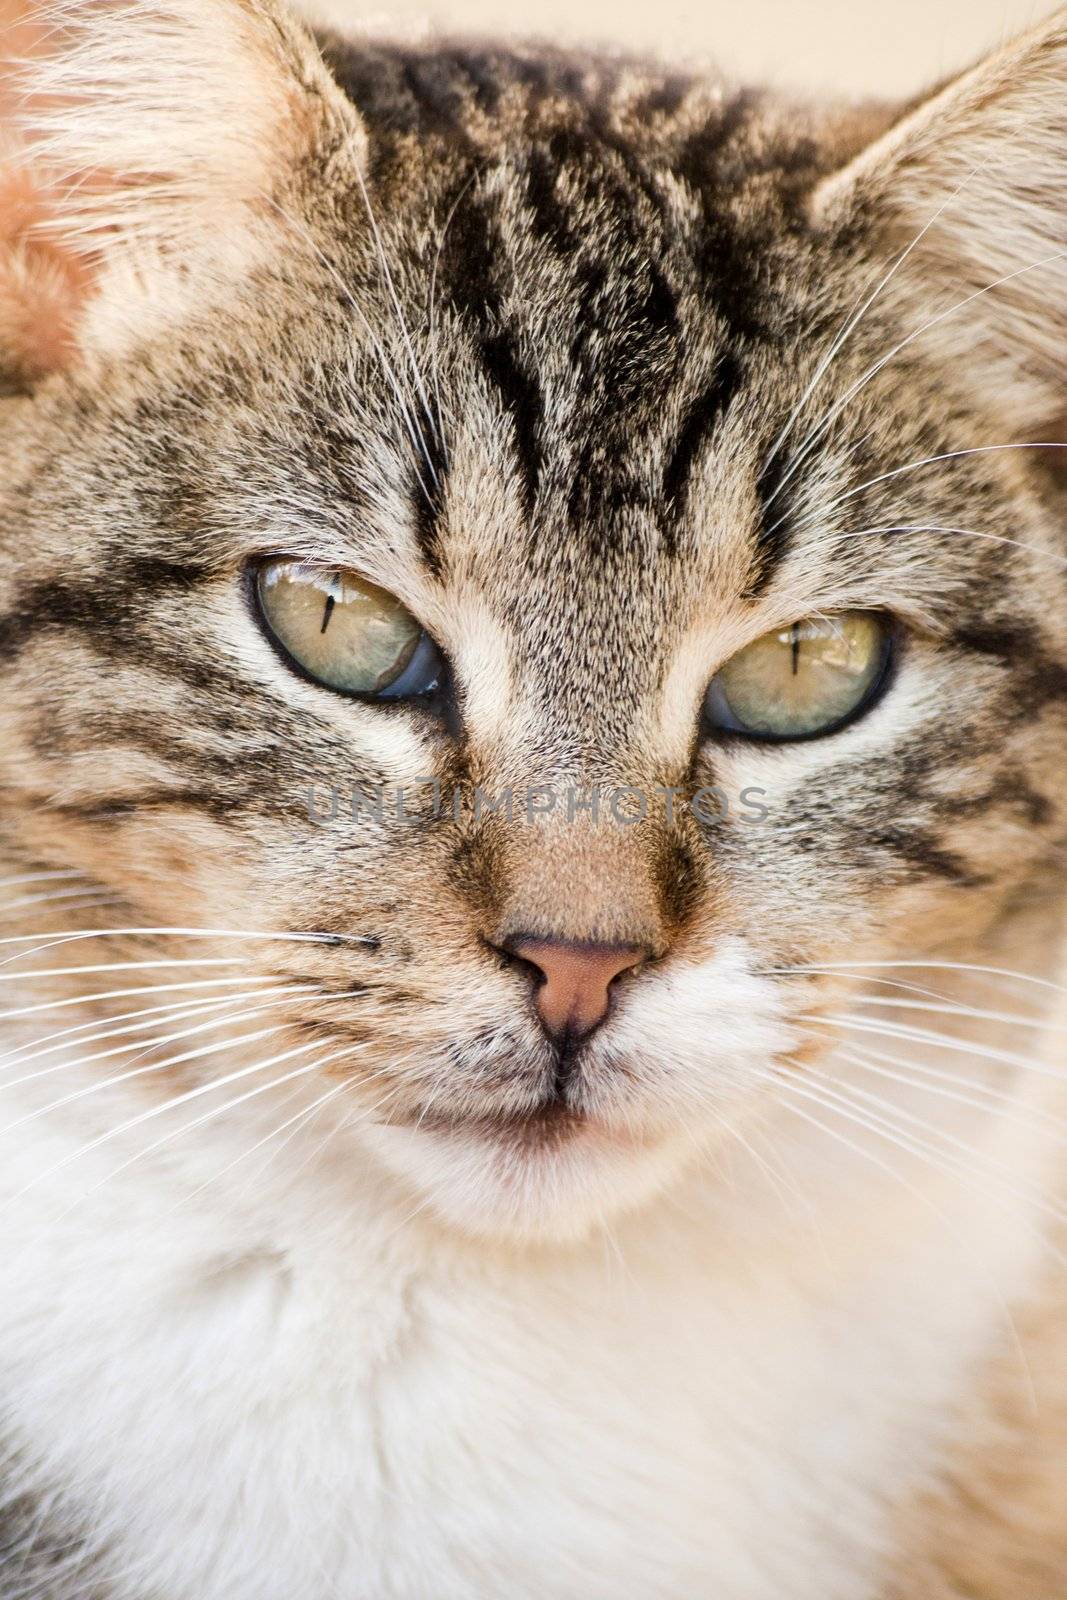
[135,134]
[972,182]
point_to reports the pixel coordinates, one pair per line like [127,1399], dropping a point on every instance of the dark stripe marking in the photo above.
[473,259]
[1040,678]
[520,394]
[773,536]
[701,421]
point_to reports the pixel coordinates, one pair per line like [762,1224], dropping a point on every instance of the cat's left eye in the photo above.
[346,633]
[804,681]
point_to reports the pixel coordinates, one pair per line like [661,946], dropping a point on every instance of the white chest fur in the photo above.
[283,1387]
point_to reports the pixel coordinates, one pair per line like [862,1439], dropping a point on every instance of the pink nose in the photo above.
[574,990]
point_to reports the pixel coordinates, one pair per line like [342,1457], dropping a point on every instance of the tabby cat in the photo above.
[534,634]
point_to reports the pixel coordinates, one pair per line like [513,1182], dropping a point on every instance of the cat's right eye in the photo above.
[804,681]
[345,633]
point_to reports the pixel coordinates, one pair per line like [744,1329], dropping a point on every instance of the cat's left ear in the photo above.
[146,144]
[972,184]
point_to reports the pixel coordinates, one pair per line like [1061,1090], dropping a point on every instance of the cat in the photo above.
[531,810]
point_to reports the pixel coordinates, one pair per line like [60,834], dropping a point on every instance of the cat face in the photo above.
[585,381]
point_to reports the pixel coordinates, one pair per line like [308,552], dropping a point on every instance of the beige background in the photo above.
[858,46]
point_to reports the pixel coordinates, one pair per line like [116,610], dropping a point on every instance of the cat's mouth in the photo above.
[552,1120]
[551,1124]
[549,1170]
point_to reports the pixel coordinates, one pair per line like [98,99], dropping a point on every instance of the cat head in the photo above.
[556,542]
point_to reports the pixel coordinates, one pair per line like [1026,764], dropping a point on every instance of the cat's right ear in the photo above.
[969,191]
[144,143]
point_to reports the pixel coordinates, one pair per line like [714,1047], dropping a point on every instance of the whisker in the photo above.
[405,332]
[52,876]
[103,1030]
[888,983]
[141,991]
[912,1189]
[953,1010]
[938,1041]
[411,426]
[872,371]
[881,1127]
[916,963]
[865,1053]
[432,305]
[184,1098]
[189,1127]
[182,1059]
[970,533]
[359,1113]
[783,1186]
[53,941]
[972,1093]
[853,321]
[152,964]
[884,1112]
[299,1119]
[815,1097]
[73,899]
[930,461]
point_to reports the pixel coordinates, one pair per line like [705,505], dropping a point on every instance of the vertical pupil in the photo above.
[794,636]
[327,612]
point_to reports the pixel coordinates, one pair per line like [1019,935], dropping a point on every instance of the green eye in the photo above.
[345,633]
[805,680]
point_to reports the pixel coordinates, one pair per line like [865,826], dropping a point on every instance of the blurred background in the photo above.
[880,47]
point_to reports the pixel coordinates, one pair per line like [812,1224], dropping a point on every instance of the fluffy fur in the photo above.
[321,1276]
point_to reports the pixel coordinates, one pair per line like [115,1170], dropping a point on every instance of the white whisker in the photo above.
[938,1041]
[872,371]
[853,321]
[183,1059]
[56,875]
[293,1124]
[153,964]
[411,426]
[885,1114]
[432,306]
[53,941]
[189,1127]
[924,1199]
[73,899]
[970,533]
[405,332]
[154,1014]
[169,1105]
[359,1114]
[930,461]
[953,1010]
[968,1091]
[141,991]
[918,964]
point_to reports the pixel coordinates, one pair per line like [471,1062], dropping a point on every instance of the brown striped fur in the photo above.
[515,331]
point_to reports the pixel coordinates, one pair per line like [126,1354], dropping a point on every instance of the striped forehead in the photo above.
[597,268]
[583,340]
[582,317]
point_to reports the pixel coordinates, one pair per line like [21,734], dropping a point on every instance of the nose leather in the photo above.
[574,991]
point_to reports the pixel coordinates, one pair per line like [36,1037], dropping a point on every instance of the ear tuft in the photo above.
[973,185]
[132,129]
[41,286]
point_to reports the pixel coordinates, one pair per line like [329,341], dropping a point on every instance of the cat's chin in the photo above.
[548,1178]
